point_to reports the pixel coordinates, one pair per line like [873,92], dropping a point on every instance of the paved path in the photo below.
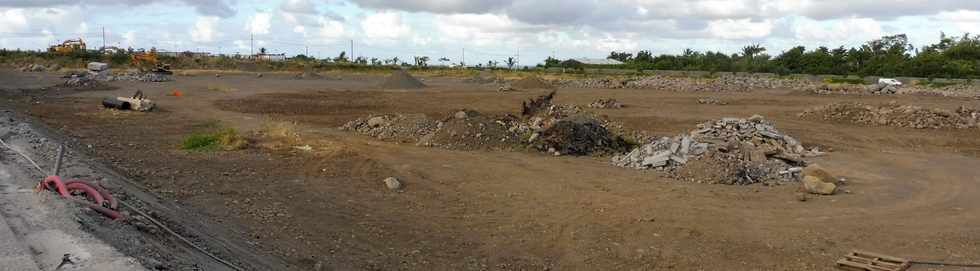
[14,253]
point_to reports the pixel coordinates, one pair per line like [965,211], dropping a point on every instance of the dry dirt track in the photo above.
[913,192]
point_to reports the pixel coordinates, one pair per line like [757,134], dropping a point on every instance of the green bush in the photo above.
[843,80]
[226,139]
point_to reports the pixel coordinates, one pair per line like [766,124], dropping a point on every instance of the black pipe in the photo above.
[116,103]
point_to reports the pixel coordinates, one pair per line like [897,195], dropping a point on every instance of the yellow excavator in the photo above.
[68,46]
[147,62]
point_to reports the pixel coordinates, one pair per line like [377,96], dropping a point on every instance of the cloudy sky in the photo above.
[487,29]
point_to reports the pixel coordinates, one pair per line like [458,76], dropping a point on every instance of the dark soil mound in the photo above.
[531,82]
[581,135]
[401,79]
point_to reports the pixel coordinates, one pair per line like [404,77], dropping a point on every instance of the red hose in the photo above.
[90,191]
[62,190]
[113,204]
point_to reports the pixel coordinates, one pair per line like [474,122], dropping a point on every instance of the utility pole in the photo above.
[307,51]
[103,38]
[351,50]
[462,61]
[518,58]
[251,45]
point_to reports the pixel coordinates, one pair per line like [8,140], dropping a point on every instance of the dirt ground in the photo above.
[911,193]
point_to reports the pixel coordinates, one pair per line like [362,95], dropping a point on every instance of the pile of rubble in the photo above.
[723,83]
[92,78]
[556,129]
[711,100]
[143,77]
[894,114]
[398,127]
[609,103]
[39,68]
[957,90]
[531,82]
[727,151]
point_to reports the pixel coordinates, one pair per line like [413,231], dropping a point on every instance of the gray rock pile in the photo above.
[896,115]
[142,77]
[609,103]
[711,100]
[723,83]
[728,151]
[400,127]
[38,68]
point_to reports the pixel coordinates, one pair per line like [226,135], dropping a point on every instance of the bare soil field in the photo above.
[910,192]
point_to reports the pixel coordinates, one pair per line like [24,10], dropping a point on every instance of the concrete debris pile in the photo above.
[726,151]
[894,114]
[711,100]
[93,78]
[398,127]
[723,83]
[609,103]
[826,89]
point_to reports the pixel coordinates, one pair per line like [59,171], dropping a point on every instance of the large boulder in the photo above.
[814,185]
[816,171]
[97,66]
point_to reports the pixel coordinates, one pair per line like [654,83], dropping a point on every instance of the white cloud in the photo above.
[610,43]
[259,23]
[204,29]
[968,21]
[840,32]
[739,29]
[13,20]
[330,30]
[129,39]
[385,25]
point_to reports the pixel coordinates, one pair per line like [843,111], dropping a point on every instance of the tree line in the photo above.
[951,57]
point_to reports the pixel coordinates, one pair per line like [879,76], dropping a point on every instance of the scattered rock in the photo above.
[609,103]
[393,183]
[711,100]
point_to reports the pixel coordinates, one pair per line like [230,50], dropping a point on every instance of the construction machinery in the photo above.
[147,62]
[68,46]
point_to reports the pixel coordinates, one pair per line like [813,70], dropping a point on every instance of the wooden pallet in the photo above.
[867,261]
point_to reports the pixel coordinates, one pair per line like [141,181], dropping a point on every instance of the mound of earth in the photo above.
[531,82]
[727,151]
[552,128]
[470,130]
[580,135]
[400,79]
[484,77]
[893,114]
[396,127]
[311,75]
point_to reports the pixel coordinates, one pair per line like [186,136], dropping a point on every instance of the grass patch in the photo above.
[937,84]
[843,80]
[226,139]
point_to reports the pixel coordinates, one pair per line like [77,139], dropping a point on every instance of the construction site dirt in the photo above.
[314,199]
